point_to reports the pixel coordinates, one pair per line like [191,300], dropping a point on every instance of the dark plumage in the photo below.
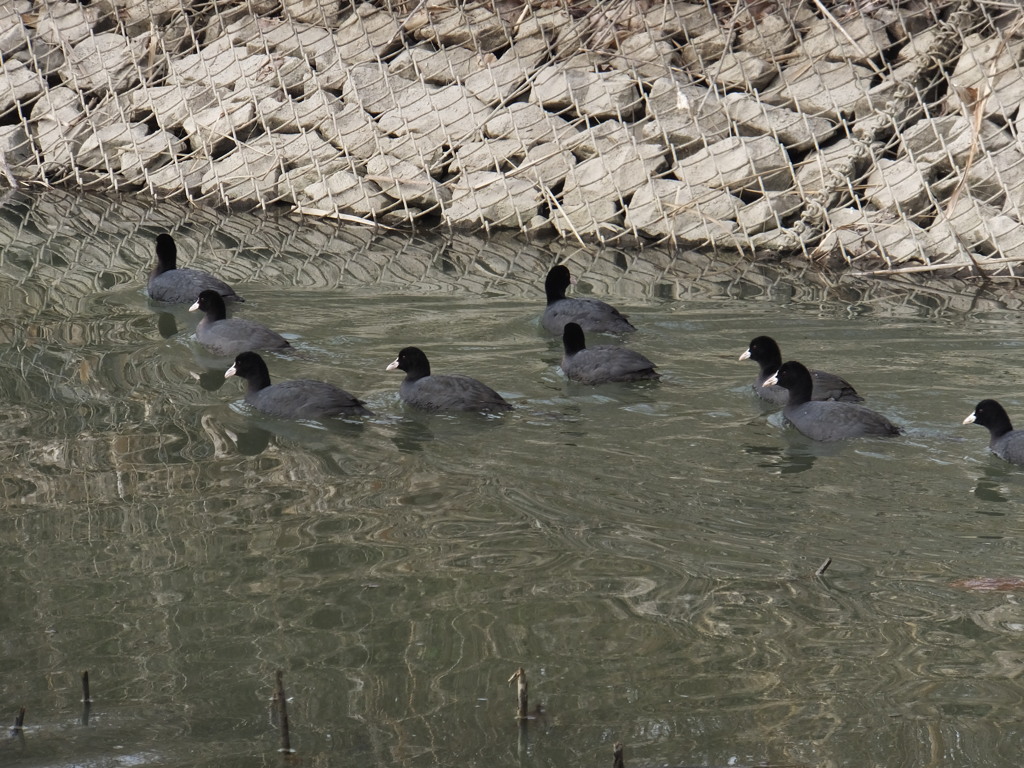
[827,386]
[603,363]
[1005,442]
[828,419]
[442,393]
[592,315]
[230,337]
[298,399]
[181,286]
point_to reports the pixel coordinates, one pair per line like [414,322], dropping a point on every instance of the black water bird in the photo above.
[603,363]
[825,419]
[181,286]
[231,336]
[450,392]
[1004,441]
[592,315]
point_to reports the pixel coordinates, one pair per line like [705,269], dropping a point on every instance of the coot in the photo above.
[452,392]
[602,363]
[1005,442]
[298,399]
[181,286]
[827,386]
[230,337]
[825,419]
[592,315]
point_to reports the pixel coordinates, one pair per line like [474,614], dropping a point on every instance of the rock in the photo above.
[105,62]
[748,164]
[795,131]
[300,149]
[595,94]
[545,165]
[138,16]
[822,88]
[861,39]
[60,104]
[171,105]
[995,177]
[477,28]
[647,55]
[18,84]
[290,115]
[446,115]
[231,68]
[57,141]
[444,67]
[486,197]
[704,51]
[14,35]
[497,81]
[99,148]
[946,141]
[344,192]
[680,19]
[351,130]
[65,24]
[984,229]
[214,129]
[16,155]
[989,64]
[617,173]
[281,36]
[767,38]
[530,123]
[179,177]
[685,116]
[375,90]
[148,154]
[497,155]
[421,151]
[770,212]
[312,11]
[245,176]
[605,136]
[856,235]
[663,207]
[742,70]
[367,34]
[406,182]
[578,216]
[840,165]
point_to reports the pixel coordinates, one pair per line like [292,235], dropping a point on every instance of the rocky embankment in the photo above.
[889,136]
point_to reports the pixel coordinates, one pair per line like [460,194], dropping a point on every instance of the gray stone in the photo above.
[447,115]
[214,129]
[842,164]
[497,81]
[998,177]
[137,16]
[794,130]
[823,88]
[60,104]
[289,115]
[100,147]
[946,141]
[476,28]
[989,64]
[179,177]
[663,207]
[282,36]
[530,123]
[14,35]
[421,151]
[16,154]
[232,68]
[486,197]
[595,94]
[18,83]
[438,67]
[151,152]
[57,141]
[344,192]
[351,130]
[104,62]
[543,23]
[861,39]
[857,235]
[702,52]
[646,54]
[680,19]
[376,90]
[751,164]
[405,181]
[741,69]
[247,175]
[42,57]
[770,212]
[768,37]
[579,216]
[546,165]
[616,174]
[65,24]
[605,136]
[984,229]
[324,12]
[299,149]
[171,105]
[366,34]
[685,116]
[497,155]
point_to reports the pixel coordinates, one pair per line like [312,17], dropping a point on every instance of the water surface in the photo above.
[646,552]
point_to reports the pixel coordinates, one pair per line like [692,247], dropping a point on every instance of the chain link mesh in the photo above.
[881,133]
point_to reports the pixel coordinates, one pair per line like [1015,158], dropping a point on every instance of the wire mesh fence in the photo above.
[879,133]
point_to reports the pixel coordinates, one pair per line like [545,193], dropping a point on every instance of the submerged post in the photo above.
[617,761]
[19,722]
[86,698]
[282,711]
[523,711]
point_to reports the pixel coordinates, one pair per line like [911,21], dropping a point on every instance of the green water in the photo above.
[647,553]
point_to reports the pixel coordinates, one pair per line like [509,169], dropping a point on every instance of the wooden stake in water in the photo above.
[823,567]
[19,722]
[85,688]
[617,761]
[282,710]
[519,676]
